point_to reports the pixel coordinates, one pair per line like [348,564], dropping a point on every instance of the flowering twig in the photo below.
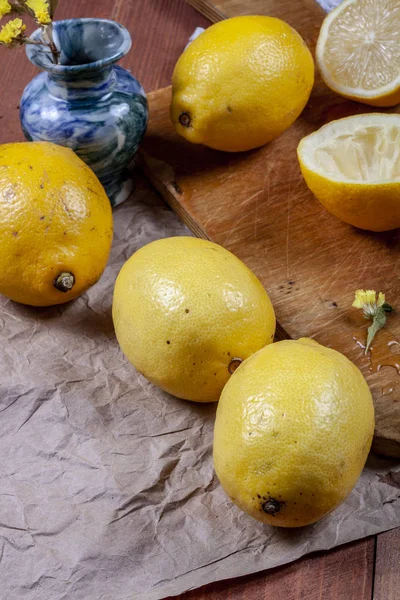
[373,308]
[13,32]
[47,34]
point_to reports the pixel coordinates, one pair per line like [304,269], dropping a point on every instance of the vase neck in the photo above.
[88,84]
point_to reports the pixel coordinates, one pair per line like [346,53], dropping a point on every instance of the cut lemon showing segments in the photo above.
[358,51]
[352,166]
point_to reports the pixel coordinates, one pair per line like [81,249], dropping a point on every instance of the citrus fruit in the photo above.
[352,166]
[241,83]
[55,224]
[187,312]
[293,430]
[358,52]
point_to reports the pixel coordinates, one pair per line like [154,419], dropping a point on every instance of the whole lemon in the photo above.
[241,83]
[187,312]
[293,430]
[55,224]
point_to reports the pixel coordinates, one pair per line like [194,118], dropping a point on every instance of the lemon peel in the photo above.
[293,428]
[186,314]
[56,234]
[241,83]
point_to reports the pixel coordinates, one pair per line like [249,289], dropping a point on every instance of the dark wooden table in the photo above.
[368,569]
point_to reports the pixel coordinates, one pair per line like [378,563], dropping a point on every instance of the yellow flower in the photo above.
[11,31]
[366,299]
[40,8]
[5,8]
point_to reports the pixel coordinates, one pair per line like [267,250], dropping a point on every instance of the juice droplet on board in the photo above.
[387,390]
[384,351]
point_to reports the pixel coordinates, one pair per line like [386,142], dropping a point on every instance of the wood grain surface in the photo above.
[160,29]
[387,566]
[345,573]
[304,15]
[208,9]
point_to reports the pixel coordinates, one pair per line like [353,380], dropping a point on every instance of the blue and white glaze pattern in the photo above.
[86,102]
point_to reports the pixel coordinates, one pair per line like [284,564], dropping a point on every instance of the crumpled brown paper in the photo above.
[107,484]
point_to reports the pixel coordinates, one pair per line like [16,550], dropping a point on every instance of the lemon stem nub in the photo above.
[234,364]
[272,506]
[185,119]
[64,282]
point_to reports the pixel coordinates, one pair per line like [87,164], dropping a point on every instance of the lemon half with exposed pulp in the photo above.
[293,430]
[352,166]
[358,51]
[186,312]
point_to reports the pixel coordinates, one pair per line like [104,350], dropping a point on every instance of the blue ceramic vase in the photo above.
[86,102]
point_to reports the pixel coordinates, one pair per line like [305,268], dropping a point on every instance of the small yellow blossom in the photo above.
[367,301]
[5,8]
[40,8]
[364,297]
[11,31]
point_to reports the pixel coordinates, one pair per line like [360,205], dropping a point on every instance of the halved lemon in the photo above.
[352,166]
[358,51]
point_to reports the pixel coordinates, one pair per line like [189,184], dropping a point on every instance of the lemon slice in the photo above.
[358,51]
[352,166]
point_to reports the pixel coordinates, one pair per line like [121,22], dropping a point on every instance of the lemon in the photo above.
[352,166]
[358,52]
[187,312]
[241,83]
[55,224]
[293,430]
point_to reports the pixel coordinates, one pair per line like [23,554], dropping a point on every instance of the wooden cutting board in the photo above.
[257,205]
[304,15]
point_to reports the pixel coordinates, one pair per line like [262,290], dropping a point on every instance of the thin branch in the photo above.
[48,37]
